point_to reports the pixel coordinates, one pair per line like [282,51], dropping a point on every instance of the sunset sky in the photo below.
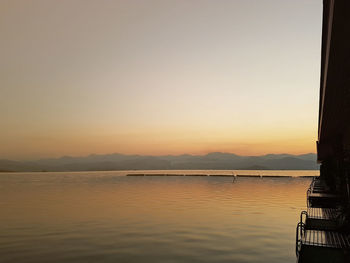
[158,77]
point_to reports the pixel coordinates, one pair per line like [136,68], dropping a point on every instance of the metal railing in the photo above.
[301,216]
[298,238]
[308,192]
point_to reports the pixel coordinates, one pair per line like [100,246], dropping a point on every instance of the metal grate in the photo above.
[322,213]
[325,239]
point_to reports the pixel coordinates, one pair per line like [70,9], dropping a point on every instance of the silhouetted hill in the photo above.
[15,166]
[216,160]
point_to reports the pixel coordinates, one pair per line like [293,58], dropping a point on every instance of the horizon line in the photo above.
[151,155]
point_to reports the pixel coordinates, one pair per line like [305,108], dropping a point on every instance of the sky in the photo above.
[158,77]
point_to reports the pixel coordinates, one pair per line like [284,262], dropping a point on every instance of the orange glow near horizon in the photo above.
[157,78]
[160,143]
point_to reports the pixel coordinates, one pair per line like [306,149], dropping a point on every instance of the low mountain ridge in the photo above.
[213,161]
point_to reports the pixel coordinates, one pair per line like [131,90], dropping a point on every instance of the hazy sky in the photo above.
[158,76]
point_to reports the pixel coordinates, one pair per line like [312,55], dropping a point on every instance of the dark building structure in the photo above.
[323,233]
[333,146]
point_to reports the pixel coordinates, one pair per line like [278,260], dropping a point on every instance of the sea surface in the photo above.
[110,217]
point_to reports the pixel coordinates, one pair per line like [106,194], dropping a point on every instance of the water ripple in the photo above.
[107,217]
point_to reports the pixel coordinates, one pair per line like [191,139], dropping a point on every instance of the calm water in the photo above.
[108,217]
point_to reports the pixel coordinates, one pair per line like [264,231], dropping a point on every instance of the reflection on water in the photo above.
[105,217]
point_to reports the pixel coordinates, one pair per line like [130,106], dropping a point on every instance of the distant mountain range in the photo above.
[213,161]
